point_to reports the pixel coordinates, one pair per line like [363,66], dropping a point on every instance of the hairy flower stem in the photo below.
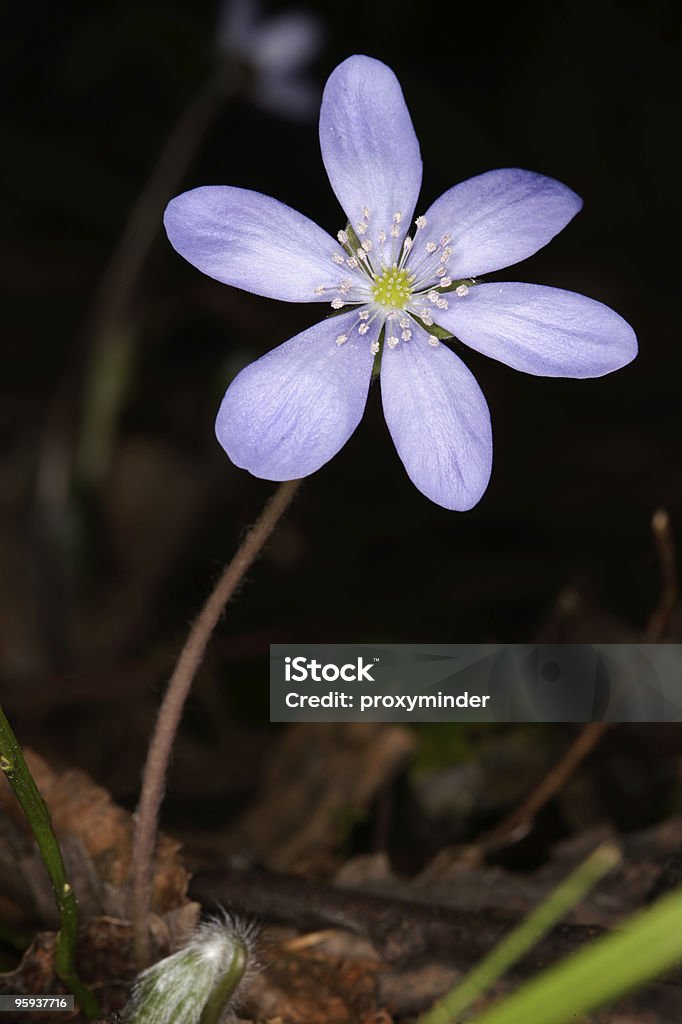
[14,766]
[170,712]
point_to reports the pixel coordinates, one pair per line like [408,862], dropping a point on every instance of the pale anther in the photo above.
[338,258]
[445,239]
[382,237]
[406,335]
[431,246]
[405,322]
[364,314]
[341,338]
[395,231]
[397,217]
[420,222]
[367,245]
[392,341]
[461,290]
[361,227]
[352,262]
[363,328]
[433,341]
[365,213]
[342,237]
[445,282]
[374,348]
[337,303]
[320,290]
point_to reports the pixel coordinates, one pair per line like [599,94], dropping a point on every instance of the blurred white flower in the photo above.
[277,51]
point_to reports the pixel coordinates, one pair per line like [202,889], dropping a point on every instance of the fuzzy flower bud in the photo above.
[199,983]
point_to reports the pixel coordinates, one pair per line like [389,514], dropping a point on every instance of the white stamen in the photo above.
[345,286]
[363,328]
[420,222]
[408,243]
[364,314]
[365,213]
[406,335]
[427,318]
[374,348]
[445,239]
[337,303]
[431,246]
[342,237]
[392,341]
[338,258]
[432,296]
[382,237]
[397,217]
[445,282]
[442,303]
[367,245]
[320,290]
[433,341]
[461,290]
[405,322]
[341,339]
[440,272]
[395,231]
[352,262]
[360,227]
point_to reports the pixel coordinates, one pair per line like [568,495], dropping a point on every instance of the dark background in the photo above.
[100,576]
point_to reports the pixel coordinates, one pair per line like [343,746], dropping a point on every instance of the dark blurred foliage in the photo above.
[93,612]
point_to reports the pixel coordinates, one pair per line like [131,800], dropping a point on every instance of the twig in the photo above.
[402,931]
[556,778]
[14,766]
[170,712]
[659,620]
[592,732]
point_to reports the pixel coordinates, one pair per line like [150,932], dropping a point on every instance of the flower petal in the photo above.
[288,413]
[545,331]
[497,219]
[254,242]
[439,421]
[369,148]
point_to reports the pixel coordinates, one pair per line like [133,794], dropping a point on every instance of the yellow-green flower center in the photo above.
[393,287]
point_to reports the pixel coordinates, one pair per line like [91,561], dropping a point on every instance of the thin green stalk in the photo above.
[16,770]
[525,936]
[648,946]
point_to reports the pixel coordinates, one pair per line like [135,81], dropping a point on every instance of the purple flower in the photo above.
[277,51]
[288,413]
